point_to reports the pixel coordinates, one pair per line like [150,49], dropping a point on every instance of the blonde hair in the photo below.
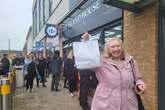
[70,55]
[107,53]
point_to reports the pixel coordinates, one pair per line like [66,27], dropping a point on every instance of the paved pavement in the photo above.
[44,99]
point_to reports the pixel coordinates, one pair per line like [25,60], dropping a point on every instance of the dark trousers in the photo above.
[72,85]
[29,83]
[38,81]
[84,88]
[47,72]
[5,70]
[65,81]
[42,78]
[55,81]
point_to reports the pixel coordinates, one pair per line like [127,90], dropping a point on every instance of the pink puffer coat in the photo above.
[115,90]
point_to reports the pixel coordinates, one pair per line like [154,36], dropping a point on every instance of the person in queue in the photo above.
[41,69]
[65,71]
[31,72]
[86,76]
[71,73]
[116,89]
[56,68]
[5,64]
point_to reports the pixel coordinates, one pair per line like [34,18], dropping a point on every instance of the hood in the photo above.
[27,61]
[128,58]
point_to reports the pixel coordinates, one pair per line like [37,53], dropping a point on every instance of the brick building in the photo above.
[144,38]
[140,39]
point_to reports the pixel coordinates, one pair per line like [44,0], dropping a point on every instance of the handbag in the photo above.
[139,100]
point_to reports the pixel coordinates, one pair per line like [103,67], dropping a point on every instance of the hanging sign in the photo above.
[51,31]
[39,45]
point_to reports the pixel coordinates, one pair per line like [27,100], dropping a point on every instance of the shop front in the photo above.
[100,20]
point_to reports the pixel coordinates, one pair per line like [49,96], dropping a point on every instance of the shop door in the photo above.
[161,58]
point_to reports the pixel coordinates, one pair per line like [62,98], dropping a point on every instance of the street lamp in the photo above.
[9,47]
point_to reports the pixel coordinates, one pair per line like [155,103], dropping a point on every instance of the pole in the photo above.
[45,49]
[61,40]
[61,45]
[9,47]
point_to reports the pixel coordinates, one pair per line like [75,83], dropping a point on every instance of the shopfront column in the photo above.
[140,40]
[161,57]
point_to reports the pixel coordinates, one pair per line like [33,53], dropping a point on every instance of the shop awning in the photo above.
[162,6]
[131,5]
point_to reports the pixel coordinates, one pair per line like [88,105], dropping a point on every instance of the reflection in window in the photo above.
[111,32]
[98,36]
[46,9]
[35,22]
[51,7]
[41,13]
[73,3]
[95,36]
[38,16]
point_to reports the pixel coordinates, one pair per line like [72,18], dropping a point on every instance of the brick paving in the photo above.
[44,99]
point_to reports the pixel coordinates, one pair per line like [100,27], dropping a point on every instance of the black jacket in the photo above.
[56,65]
[5,62]
[31,68]
[41,66]
[71,70]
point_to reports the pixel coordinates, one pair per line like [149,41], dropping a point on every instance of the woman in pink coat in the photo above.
[116,90]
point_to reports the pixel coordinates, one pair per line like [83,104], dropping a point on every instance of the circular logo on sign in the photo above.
[51,31]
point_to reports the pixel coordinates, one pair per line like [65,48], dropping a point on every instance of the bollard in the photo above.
[14,80]
[11,77]
[0,98]
[6,94]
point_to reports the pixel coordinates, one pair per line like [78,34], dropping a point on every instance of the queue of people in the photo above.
[115,90]
[34,68]
[116,82]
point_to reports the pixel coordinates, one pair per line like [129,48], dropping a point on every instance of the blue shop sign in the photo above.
[51,31]
[95,15]
[39,45]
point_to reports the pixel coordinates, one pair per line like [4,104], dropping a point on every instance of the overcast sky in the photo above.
[15,20]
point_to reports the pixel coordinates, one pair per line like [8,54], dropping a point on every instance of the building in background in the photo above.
[25,49]
[29,41]
[12,53]
[48,11]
